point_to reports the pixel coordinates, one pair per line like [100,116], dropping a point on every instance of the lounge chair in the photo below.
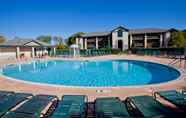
[110,107]
[147,106]
[71,106]
[10,100]
[5,93]
[173,97]
[33,107]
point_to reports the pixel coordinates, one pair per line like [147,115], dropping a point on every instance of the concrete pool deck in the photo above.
[92,93]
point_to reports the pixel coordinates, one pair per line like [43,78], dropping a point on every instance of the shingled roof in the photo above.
[23,42]
[147,30]
[131,31]
[92,34]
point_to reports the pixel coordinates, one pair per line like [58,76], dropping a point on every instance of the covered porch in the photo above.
[25,49]
[96,42]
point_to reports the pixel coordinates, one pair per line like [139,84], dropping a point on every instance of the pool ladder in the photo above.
[181,61]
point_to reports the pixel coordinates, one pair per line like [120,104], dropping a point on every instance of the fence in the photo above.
[158,51]
[88,52]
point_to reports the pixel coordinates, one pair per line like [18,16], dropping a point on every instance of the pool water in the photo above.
[109,73]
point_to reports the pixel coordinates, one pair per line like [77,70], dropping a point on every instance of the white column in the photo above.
[109,42]
[85,43]
[131,38]
[161,40]
[97,43]
[54,51]
[167,39]
[113,43]
[77,41]
[33,52]
[81,43]
[74,52]
[18,52]
[145,41]
[126,41]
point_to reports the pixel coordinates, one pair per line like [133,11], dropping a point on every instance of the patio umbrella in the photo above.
[74,47]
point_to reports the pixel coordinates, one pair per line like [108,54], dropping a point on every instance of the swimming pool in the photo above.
[108,73]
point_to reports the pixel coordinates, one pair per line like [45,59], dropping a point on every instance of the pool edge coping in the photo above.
[97,87]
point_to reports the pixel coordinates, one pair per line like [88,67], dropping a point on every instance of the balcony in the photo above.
[153,37]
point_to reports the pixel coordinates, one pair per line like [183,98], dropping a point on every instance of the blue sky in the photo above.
[31,18]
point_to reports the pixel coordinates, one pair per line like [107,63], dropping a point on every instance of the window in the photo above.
[120,33]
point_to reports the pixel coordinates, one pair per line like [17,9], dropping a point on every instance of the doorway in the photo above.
[120,45]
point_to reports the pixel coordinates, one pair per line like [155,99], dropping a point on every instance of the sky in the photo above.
[32,18]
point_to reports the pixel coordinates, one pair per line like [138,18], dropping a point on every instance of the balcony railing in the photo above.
[153,37]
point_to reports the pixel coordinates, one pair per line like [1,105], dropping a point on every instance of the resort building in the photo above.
[123,38]
[24,47]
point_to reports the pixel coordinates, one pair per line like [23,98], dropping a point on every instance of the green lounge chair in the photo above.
[33,107]
[147,106]
[18,115]
[5,93]
[71,106]
[10,100]
[173,97]
[110,107]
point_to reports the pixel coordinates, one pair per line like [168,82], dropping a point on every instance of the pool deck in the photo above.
[92,93]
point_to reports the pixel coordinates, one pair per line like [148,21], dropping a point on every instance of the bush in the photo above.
[61,46]
[115,51]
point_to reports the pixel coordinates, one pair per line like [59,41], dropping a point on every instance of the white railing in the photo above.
[178,62]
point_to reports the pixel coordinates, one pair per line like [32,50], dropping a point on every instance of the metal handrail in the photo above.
[178,60]
[175,60]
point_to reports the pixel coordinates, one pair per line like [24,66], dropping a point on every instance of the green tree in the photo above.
[2,39]
[72,39]
[178,39]
[61,46]
[46,39]
[185,33]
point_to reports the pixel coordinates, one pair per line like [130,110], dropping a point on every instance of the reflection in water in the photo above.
[76,66]
[20,67]
[125,67]
[46,64]
[54,63]
[115,66]
[97,63]
[120,67]
[34,65]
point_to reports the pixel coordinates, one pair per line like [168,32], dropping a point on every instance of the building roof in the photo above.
[131,31]
[147,30]
[120,27]
[24,42]
[92,34]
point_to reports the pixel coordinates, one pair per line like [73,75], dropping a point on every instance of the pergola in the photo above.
[25,45]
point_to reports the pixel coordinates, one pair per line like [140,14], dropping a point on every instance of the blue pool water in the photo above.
[110,73]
